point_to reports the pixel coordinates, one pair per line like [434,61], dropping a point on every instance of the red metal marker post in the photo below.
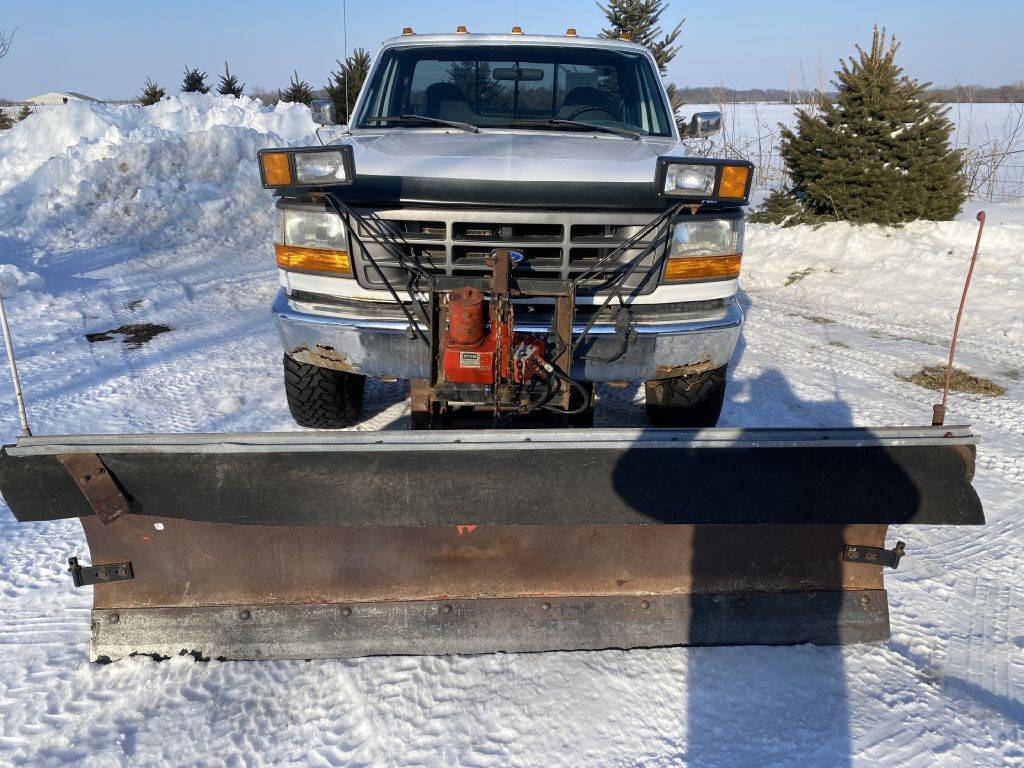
[939,409]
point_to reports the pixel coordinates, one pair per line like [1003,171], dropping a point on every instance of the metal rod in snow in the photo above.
[344,32]
[939,410]
[22,415]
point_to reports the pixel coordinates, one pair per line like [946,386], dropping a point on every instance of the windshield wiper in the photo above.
[422,118]
[558,122]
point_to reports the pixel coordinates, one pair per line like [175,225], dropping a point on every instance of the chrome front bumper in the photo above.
[378,345]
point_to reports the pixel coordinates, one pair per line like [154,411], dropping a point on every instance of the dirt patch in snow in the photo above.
[934,377]
[132,336]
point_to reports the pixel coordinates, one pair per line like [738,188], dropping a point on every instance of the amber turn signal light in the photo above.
[703,267]
[734,181]
[312,259]
[276,171]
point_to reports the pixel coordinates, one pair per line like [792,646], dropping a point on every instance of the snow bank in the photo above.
[912,275]
[22,280]
[183,169]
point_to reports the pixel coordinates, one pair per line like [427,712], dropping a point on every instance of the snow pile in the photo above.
[180,170]
[912,275]
[22,280]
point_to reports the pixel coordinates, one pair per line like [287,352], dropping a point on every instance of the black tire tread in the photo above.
[322,398]
[684,402]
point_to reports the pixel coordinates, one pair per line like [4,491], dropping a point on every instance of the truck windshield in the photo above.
[515,86]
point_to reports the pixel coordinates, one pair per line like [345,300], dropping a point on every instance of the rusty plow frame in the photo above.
[309,545]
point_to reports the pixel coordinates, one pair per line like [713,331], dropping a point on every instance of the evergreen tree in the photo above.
[229,84]
[639,20]
[5,120]
[475,80]
[880,153]
[355,68]
[194,82]
[151,93]
[298,91]
[24,112]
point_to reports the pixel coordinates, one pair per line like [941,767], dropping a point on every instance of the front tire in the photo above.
[687,402]
[320,397]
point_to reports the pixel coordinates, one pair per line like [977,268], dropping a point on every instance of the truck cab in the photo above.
[561,151]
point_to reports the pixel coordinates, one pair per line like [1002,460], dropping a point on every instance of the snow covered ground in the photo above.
[118,215]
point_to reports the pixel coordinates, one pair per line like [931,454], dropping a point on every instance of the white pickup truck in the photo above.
[561,151]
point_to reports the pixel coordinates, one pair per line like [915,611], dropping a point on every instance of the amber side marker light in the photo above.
[570,32]
[461,30]
[703,267]
[734,181]
[312,259]
[276,171]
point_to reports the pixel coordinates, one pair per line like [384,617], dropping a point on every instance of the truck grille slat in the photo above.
[557,244]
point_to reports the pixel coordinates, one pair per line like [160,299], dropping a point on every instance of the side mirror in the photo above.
[704,124]
[323,112]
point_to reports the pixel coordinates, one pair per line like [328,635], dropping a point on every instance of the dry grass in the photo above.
[796,277]
[934,377]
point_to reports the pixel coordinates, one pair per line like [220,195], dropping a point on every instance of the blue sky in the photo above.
[106,48]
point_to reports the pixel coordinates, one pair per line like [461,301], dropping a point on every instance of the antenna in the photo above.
[939,409]
[344,35]
[7,287]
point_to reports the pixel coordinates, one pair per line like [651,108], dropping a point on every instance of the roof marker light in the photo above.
[407,31]
[570,32]
[517,30]
[461,30]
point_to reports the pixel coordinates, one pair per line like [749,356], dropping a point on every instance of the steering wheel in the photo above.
[590,108]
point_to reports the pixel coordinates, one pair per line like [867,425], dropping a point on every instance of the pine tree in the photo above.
[151,93]
[881,152]
[194,82]
[24,112]
[229,84]
[639,20]
[475,80]
[5,120]
[356,67]
[298,91]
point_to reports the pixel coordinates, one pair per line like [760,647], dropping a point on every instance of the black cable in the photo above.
[380,273]
[620,279]
[585,396]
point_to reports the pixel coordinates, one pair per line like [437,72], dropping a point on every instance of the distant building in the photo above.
[57,97]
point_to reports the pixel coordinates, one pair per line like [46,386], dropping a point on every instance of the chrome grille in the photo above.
[556,244]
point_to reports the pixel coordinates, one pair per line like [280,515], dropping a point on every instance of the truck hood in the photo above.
[509,156]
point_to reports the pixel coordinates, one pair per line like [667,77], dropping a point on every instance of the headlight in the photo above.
[311,241]
[320,168]
[306,166]
[705,249]
[690,180]
[707,237]
[700,180]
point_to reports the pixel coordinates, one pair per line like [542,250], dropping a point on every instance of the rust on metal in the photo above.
[565,307]
[672,371]
[967,453]
[97,485]
[323,357]
[186,563]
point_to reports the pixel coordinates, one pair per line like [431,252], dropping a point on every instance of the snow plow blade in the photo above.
[318,545]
